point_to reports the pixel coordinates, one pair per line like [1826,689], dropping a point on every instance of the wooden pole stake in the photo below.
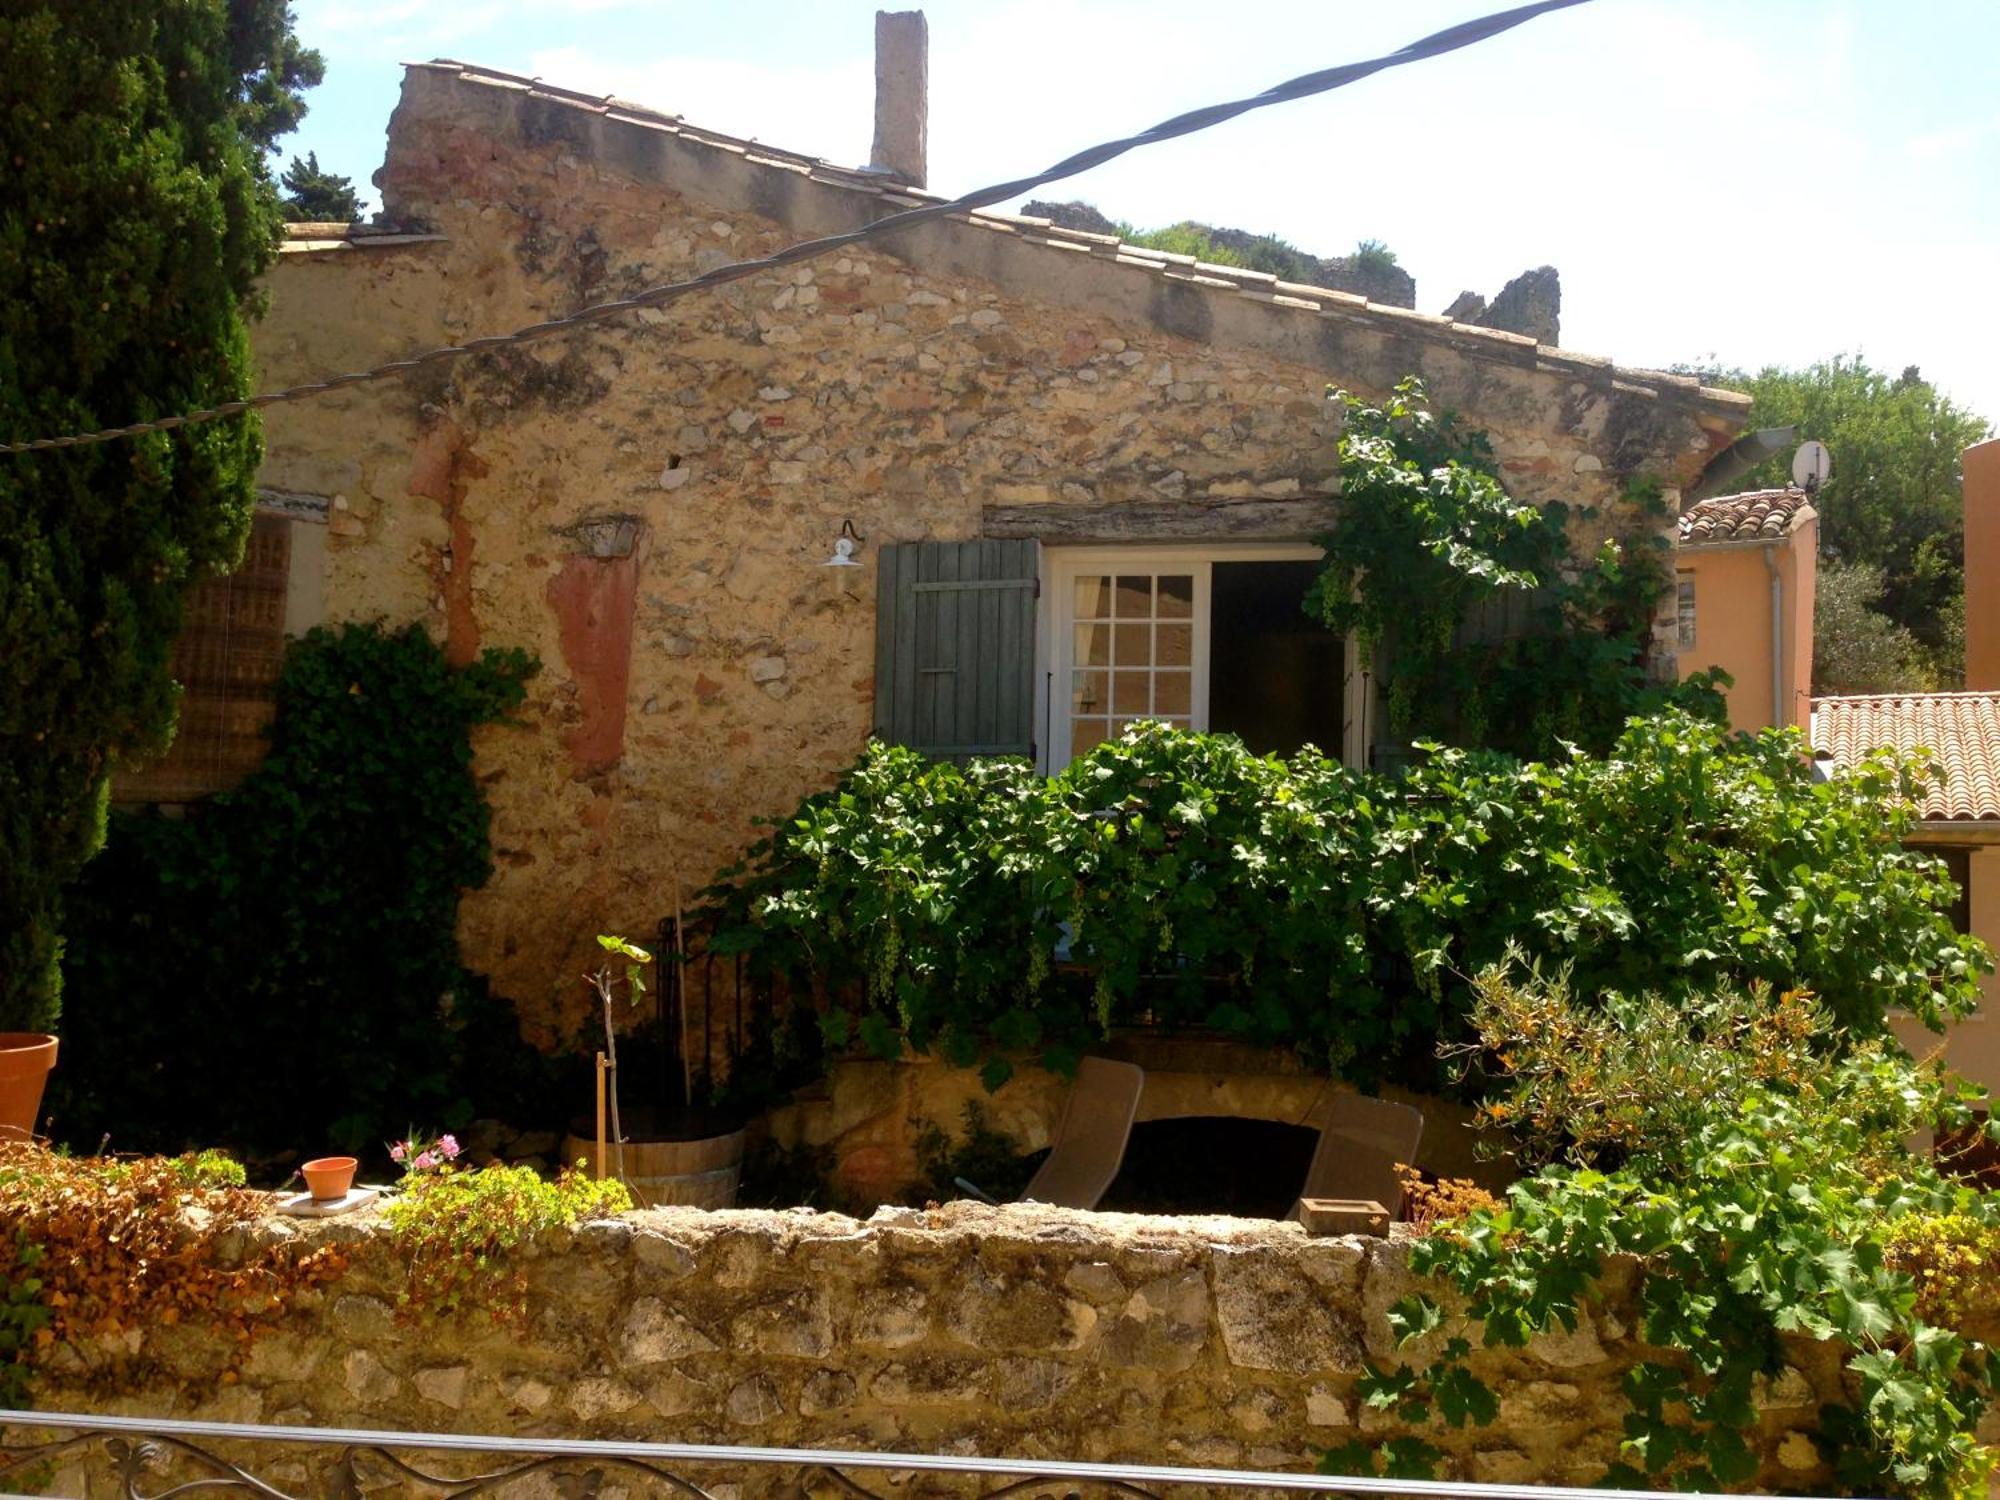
[603,1065]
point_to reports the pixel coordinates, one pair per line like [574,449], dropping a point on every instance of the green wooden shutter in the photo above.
[955,647]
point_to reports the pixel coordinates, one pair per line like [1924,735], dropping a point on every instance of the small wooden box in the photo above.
[1343,1216]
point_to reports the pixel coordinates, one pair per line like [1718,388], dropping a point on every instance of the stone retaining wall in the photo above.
[1019,1332]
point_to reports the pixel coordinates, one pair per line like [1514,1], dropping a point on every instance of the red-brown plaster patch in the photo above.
[593,599]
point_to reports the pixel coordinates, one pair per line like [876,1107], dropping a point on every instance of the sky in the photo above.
[1742,182]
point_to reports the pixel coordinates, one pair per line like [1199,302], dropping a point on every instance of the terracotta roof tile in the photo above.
[1232,280]
[1753,516]
[1961,729]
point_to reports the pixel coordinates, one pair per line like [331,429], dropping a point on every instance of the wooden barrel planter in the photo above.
[690,1162]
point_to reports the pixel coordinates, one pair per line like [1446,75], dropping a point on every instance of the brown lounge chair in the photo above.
[1090,1140]
[1361,1143]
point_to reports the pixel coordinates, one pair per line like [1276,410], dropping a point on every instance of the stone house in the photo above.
[1083,479]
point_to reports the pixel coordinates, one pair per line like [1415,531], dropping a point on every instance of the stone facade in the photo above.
[1018,1332]
[644,504]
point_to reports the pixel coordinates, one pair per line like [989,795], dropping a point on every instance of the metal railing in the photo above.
[153,1458]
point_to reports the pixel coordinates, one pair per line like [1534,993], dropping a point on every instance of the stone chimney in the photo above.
[902,94]
[1982,567]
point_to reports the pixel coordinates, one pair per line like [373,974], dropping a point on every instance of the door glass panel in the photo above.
[1132,692]
[1089,692]
[1133,650]
[1133,646]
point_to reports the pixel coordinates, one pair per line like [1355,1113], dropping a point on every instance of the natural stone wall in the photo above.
[705,671]
[1023,1332]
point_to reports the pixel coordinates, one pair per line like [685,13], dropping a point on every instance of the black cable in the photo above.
[1438,43]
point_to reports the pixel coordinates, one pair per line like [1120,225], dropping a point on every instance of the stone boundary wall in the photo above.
[1020,1332]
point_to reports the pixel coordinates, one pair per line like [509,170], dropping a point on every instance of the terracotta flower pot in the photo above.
[25,1060]
[329,1177]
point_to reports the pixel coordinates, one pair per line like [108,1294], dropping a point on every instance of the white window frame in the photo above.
[1055,632]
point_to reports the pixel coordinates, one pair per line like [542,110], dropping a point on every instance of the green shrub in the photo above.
[1759,1182]
[280,967]
[1186,881]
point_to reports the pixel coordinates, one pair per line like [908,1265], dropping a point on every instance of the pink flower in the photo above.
[398,1151]
[426,1161]
[449,1146]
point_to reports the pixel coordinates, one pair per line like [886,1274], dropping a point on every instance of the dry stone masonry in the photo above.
[1019,1332]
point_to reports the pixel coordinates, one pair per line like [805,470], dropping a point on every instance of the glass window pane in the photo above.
[1171,693]
[1132,692]
[1135,597]
[1093,597]
[1135,645]
[1176,596]
[1085,733]
[1088,691]
[1176,645]
[1093,645]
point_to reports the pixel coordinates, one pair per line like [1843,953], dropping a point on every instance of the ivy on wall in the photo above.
[1429,541]
[280,966]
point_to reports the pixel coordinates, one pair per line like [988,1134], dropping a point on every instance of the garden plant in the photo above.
[1749,1163]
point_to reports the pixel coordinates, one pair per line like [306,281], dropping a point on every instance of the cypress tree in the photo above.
[136,212]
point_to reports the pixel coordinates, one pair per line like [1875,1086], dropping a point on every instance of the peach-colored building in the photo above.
[1744,575]
[1960,816]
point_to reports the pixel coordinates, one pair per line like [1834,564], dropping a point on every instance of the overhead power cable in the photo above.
[1451,39]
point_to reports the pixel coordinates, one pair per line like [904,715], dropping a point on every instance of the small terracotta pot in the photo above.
[329,1177]
[25,1060]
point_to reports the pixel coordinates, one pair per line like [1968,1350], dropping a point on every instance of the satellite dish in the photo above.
[1810,465]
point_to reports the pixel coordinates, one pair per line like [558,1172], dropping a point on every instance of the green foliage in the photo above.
[1760,1204]
[986,912]
[456,1231]
[135,219]
[1894,500]
[313,196]
[989,1159]
[296,936]
[1428,536]
[1858,649]
[1262,252]
[1374,255]
[23,1315]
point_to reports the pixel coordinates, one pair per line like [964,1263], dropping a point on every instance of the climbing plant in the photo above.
[987,912]
[1428,535]
[1757,1182]
[280,966]
[135,219]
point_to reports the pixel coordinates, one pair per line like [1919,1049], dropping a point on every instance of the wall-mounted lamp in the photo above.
[844,547]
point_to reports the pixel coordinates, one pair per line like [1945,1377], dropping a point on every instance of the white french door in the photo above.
[1129,640]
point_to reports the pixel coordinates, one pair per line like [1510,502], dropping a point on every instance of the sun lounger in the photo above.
[1090,1140]
[1361,1143]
